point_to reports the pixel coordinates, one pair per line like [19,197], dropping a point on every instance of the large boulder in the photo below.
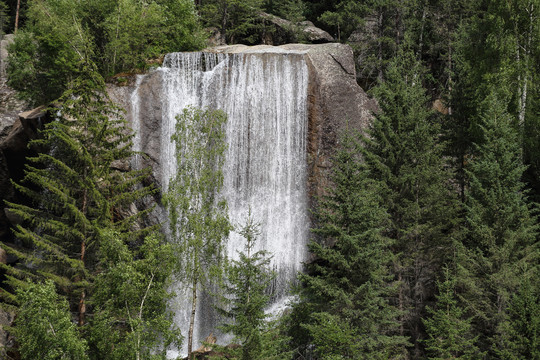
[6,340]
[4,43]
[13,152]
[278,31]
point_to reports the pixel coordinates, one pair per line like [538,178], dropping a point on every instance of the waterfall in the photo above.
[264,95]
[135,119]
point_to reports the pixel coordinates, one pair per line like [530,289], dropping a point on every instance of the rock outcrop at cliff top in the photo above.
[335,102]
[285,31]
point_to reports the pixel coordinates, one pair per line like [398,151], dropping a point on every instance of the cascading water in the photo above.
[136,119]
[265,97]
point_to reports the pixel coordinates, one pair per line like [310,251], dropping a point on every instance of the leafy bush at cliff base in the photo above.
[118,35]
[44,328]
[131,320]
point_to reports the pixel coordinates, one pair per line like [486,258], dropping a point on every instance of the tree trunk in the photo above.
[224,17]
[380,50]
[526,60]
[192,318]
[450,77]
[421,40]
[82,308]
[17,16]
[82,304]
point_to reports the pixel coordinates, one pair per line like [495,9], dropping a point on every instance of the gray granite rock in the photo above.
[335,101]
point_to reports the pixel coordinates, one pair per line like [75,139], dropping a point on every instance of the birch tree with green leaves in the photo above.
[198,219]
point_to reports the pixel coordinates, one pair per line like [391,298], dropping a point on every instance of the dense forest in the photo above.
[424,247]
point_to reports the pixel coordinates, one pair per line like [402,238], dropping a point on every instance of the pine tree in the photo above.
[404,156]
[74,190]
[235,19]
[198,218]
[246,297]
[448,327]
[520,328]
[501,244]
[348,287]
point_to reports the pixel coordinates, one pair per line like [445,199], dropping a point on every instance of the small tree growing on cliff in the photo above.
[199,223]
[247,280]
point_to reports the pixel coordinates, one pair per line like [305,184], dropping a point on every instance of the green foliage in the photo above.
[44,328]
[198,217]
[347,289]
[131,320]
[3,17]
[133,26]
[235,19]
[501,245]
[497,47]
[404,155]
[380,30]
[449,329]
[245,294]
[521,327]
[334,338]
[60,36]
[199,223]
[49,53]
[292,10]
[137,31]
[346,18]
[74,193]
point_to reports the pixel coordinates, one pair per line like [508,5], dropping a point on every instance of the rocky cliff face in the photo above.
[335,101]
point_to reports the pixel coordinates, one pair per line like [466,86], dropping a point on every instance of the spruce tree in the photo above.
[449,328]
[246,297]
[501,245]
[347,288]
[519,339]
[404,156]
[74,189]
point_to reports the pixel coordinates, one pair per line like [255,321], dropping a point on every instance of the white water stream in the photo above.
[265,97]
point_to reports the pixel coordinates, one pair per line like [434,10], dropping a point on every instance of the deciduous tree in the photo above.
[198,219]
[44,328]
